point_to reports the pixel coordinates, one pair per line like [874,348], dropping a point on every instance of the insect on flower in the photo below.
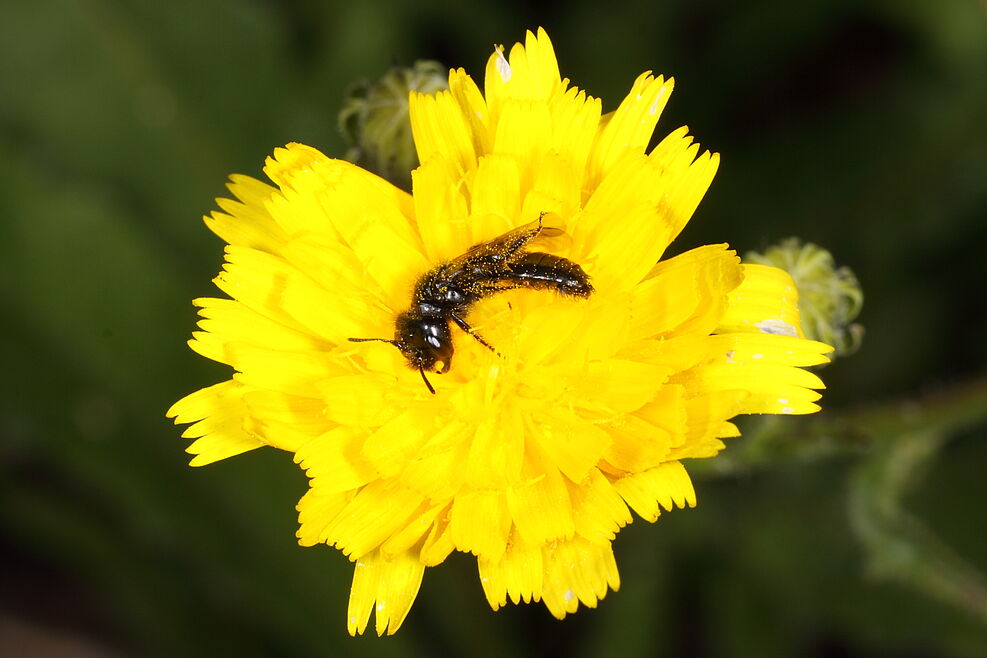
[446,292]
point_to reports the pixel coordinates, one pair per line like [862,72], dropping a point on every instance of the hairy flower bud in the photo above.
[374,119]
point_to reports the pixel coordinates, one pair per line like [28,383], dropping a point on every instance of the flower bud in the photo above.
[374,119]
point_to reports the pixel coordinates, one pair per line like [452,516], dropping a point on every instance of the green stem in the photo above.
[898,546]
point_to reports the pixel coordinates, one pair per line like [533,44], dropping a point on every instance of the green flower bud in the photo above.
[830,298]
[374,119]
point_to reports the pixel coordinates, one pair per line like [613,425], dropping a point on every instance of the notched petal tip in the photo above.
[290,159]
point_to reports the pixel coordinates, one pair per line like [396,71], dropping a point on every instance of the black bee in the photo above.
[446,292]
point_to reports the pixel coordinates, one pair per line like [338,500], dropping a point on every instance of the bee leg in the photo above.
[468,329]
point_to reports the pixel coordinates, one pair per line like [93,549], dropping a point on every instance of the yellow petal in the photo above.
[598,509]
[217,413]
[316,509]
[270,286]
[624,254]
[338,201]
[334,266]
[335,463]
[411,537]
[547,328]
[524,132]
[378,511]
[577,571]
[687,177]
[393,444]
[439,127]
[541,509]
[761,348]
[570,444]
[771,387]
[356,400]
[441,210]
[531,72]
[630,127]
[665,486]
[474,109]
[436,470]
[667,410]
[638,208]
[386,585]
[766,301]
[706,423]
[480,523]
[517,573]
[324,195]
[575,121]
[636,444]
[555,188]
[270,412]
[495,194]
[291,372]
[438,544]
[247,222]
[236,323]
[685,294]
[496,453]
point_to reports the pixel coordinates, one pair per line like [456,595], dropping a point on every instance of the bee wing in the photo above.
[547,226]
[494,255]
[552,235]
[551,225]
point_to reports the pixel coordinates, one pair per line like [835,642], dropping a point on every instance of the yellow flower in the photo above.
[530,457]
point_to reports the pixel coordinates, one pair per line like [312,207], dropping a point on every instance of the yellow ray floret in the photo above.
[387,586]
[530,456]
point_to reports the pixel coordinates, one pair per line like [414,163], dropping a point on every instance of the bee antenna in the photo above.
[425,379]
[397,345]
[367,340]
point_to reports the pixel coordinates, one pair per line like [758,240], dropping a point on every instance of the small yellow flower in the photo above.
[531,457]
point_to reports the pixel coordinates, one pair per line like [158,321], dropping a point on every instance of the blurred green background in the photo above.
[861,126]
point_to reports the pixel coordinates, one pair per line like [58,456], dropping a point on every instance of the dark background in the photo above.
[856,125]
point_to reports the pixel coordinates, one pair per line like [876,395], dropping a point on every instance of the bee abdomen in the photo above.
[545,271]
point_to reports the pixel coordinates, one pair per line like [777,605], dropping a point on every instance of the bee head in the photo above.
[424,341]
